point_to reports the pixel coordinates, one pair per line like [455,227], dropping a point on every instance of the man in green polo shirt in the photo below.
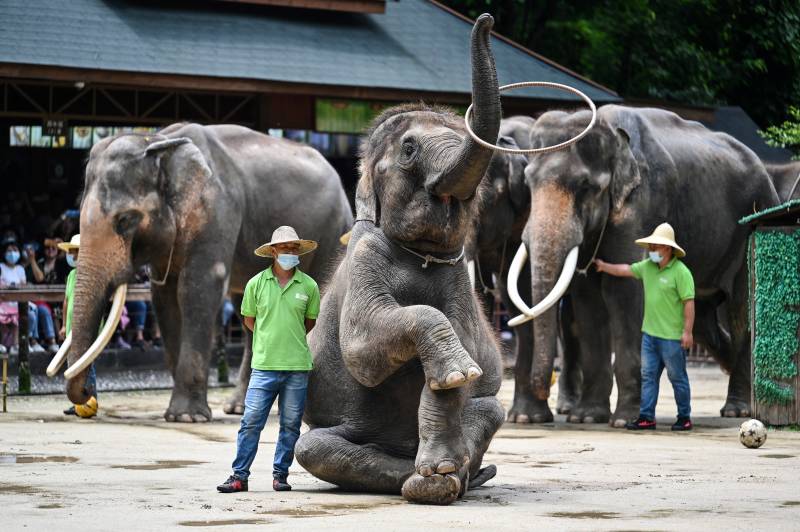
[280,306]
[667,326]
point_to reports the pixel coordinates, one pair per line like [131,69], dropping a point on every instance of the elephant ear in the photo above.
[366,200]
[626,176]
[181,164]
[516,173]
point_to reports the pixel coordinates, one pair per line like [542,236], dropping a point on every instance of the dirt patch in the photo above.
[50,506]
[34,459]
[298,512]
[585,515]
[777,456]
[358,505]
[159,464]
[19,489]
[224,522]
[790,503]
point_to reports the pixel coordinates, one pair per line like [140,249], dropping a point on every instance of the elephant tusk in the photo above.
[471,273]
[103,338]
[570,263]
[60,357]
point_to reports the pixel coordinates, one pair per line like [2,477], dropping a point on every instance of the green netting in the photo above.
[784,206]
[777,306]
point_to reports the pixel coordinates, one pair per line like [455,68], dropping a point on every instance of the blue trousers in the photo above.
[657,354]
[290,388]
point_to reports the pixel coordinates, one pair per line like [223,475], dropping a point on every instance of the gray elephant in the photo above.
[634,170]
[495,234]
[786,178]
[402,395]
[193,201]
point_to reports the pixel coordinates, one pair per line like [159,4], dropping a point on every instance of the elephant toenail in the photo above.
[426,471]
[446,467]
[435,385]
[523,418]
[473,373]
[455,378]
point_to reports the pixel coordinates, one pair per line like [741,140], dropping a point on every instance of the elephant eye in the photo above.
[126,223]
[408,149]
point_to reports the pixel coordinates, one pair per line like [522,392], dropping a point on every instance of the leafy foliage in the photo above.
[787,134]
[701,52]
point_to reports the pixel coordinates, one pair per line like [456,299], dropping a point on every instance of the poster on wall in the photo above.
[38,139]
[20,136]
[82,137]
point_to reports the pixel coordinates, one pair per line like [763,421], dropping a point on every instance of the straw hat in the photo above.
[286,235]
[663,235]
[74,243]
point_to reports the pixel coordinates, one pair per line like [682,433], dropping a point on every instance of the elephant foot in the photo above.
[234,404]
[624,414]
[452,371]
[590,414]
[735,408]
[183,409]
[529,411]
[433,489]
[566,404]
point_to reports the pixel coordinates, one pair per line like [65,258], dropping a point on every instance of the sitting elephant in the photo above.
[406,369]
[635,169]
[193,202]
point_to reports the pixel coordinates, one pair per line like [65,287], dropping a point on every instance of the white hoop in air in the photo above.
[546,149]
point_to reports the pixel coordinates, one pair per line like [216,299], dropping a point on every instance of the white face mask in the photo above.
[656,257]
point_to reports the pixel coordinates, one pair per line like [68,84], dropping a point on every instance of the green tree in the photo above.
[699,52]
[787,134]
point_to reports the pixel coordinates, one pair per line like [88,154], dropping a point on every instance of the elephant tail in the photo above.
[483,475]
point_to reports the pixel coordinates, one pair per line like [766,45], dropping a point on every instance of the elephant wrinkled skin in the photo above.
[194,202]
[636,169]
[402,395]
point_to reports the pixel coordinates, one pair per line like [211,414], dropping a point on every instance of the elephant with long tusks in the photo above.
[193,202]
[634,170]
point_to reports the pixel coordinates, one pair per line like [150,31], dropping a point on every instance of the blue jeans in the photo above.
[48,330]
[91,381]
[137,311]
[290,387]
[657,354]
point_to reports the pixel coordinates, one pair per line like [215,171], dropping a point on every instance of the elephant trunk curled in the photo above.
[467,164]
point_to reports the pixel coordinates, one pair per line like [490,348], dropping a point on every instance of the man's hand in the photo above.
[617,270]
[29,251]
[62,333]
[687,340]
[600,265]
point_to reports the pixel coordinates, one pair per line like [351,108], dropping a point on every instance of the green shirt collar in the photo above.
[671,262]
[295,277]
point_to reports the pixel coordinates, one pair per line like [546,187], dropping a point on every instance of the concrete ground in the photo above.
[130,470]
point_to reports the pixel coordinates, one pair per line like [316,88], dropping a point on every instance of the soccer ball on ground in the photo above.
[752,434]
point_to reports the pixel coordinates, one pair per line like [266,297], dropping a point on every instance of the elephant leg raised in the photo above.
[592,320]
[235,402]
[737,403]
[569,381]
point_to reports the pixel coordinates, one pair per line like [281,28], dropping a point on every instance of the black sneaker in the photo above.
[70,411]
[232,485]
[280,484]
[642,423]
[683,423]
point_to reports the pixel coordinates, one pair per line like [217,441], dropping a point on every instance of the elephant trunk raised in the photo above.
[466,165]
[103,267]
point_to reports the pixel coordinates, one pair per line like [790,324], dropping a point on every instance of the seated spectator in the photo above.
[12,275]
[48,269]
